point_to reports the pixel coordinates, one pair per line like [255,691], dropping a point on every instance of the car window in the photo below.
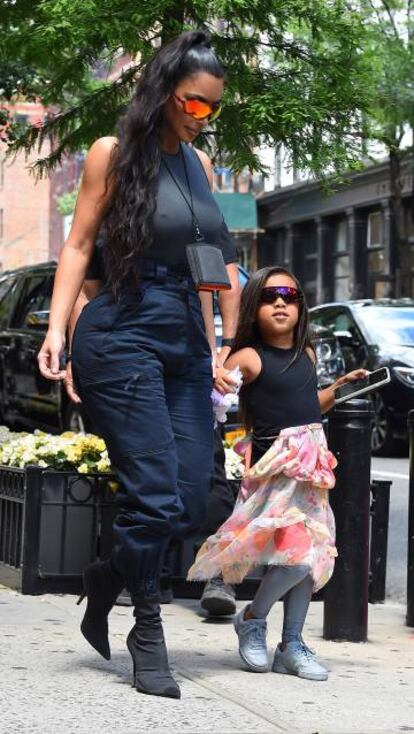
[7,290]
[325,317]
[337,319]
[36,296]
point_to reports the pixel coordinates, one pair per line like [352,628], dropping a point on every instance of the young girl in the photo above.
[282,517]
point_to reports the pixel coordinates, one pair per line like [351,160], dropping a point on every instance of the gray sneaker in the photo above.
[252,642]
[219,599]
[298,659]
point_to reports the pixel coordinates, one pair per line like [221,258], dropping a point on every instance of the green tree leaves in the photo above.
[295,72]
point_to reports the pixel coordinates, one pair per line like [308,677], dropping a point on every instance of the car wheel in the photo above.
[382,442]
[74,419]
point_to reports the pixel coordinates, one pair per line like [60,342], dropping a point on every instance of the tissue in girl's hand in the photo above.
[222,403]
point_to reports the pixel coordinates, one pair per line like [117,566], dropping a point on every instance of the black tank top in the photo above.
[172,224]
[281,396]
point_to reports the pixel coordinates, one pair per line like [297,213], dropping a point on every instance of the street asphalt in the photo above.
[52,682]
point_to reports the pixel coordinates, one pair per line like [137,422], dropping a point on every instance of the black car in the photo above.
[29,400]
[372,334]
[26,398]
[330,362]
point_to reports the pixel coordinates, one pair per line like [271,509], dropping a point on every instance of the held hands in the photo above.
[49,356]
[223,383]
[70,389]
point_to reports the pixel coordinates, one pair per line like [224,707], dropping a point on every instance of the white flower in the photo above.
[233,464]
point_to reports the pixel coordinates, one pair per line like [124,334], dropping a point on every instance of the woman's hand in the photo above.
[70,389]
[222,382]
[354,375]
[49,356]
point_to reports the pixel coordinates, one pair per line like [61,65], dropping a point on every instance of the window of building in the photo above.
[310,266]
[375,236]
[408,223]
[341,261]
[375,244]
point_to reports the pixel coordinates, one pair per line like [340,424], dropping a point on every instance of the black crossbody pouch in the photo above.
[207,267]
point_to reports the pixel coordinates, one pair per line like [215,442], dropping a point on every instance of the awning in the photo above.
[239,210]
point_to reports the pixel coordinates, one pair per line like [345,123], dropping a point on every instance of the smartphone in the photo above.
[350,390]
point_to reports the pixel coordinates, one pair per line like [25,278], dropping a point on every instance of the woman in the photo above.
[141,359]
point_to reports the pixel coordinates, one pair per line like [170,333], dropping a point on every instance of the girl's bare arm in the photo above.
[327,395]
[249,362]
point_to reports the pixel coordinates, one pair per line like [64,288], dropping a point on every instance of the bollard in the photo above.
[346,595]
[410,558]
[380,510]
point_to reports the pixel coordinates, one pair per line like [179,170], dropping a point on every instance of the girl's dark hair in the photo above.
[136,159]
[248,334]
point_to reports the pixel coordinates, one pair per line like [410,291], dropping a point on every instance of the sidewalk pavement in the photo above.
[52,682]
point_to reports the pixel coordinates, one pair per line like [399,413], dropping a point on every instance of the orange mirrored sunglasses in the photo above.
[198,109]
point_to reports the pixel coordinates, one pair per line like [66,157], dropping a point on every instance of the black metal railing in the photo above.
[52,524]
[11,517]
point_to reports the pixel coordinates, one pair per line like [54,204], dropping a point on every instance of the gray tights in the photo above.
[295,584]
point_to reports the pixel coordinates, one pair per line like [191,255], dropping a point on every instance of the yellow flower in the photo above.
[103,465]
[83,469]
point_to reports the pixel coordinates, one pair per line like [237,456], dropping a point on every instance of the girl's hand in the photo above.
[222,382]
[49,356]
[73,395]
[354,375]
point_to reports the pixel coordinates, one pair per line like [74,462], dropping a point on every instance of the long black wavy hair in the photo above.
[247,332]
[137,156]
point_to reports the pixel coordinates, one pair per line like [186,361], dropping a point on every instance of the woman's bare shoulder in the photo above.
[249,362]
[98,158]
[206,163]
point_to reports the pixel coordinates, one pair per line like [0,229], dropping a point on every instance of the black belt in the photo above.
[151,268]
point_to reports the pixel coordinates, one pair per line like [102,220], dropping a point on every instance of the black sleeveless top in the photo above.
[172,224]
[281,396]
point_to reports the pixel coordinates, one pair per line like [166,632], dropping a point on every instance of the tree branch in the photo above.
[391,18]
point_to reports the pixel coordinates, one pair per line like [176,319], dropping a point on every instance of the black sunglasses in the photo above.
[289,295]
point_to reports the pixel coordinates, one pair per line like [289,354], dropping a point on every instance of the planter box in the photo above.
[52,524]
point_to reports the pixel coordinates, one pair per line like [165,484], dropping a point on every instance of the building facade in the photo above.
[340,245]
[31,225]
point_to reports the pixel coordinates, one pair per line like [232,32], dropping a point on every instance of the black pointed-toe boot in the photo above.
[101,584]
[146,644]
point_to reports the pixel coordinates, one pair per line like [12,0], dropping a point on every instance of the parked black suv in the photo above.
[26,398]
[29,400]
[372,334]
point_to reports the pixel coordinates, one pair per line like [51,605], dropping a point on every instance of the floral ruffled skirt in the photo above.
[282,514]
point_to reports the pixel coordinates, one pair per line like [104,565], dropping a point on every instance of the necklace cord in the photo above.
[190,203]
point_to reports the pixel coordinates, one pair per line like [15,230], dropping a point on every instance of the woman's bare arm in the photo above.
[92,201]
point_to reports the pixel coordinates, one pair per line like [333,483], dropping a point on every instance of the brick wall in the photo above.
[25,206]
[31,227]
